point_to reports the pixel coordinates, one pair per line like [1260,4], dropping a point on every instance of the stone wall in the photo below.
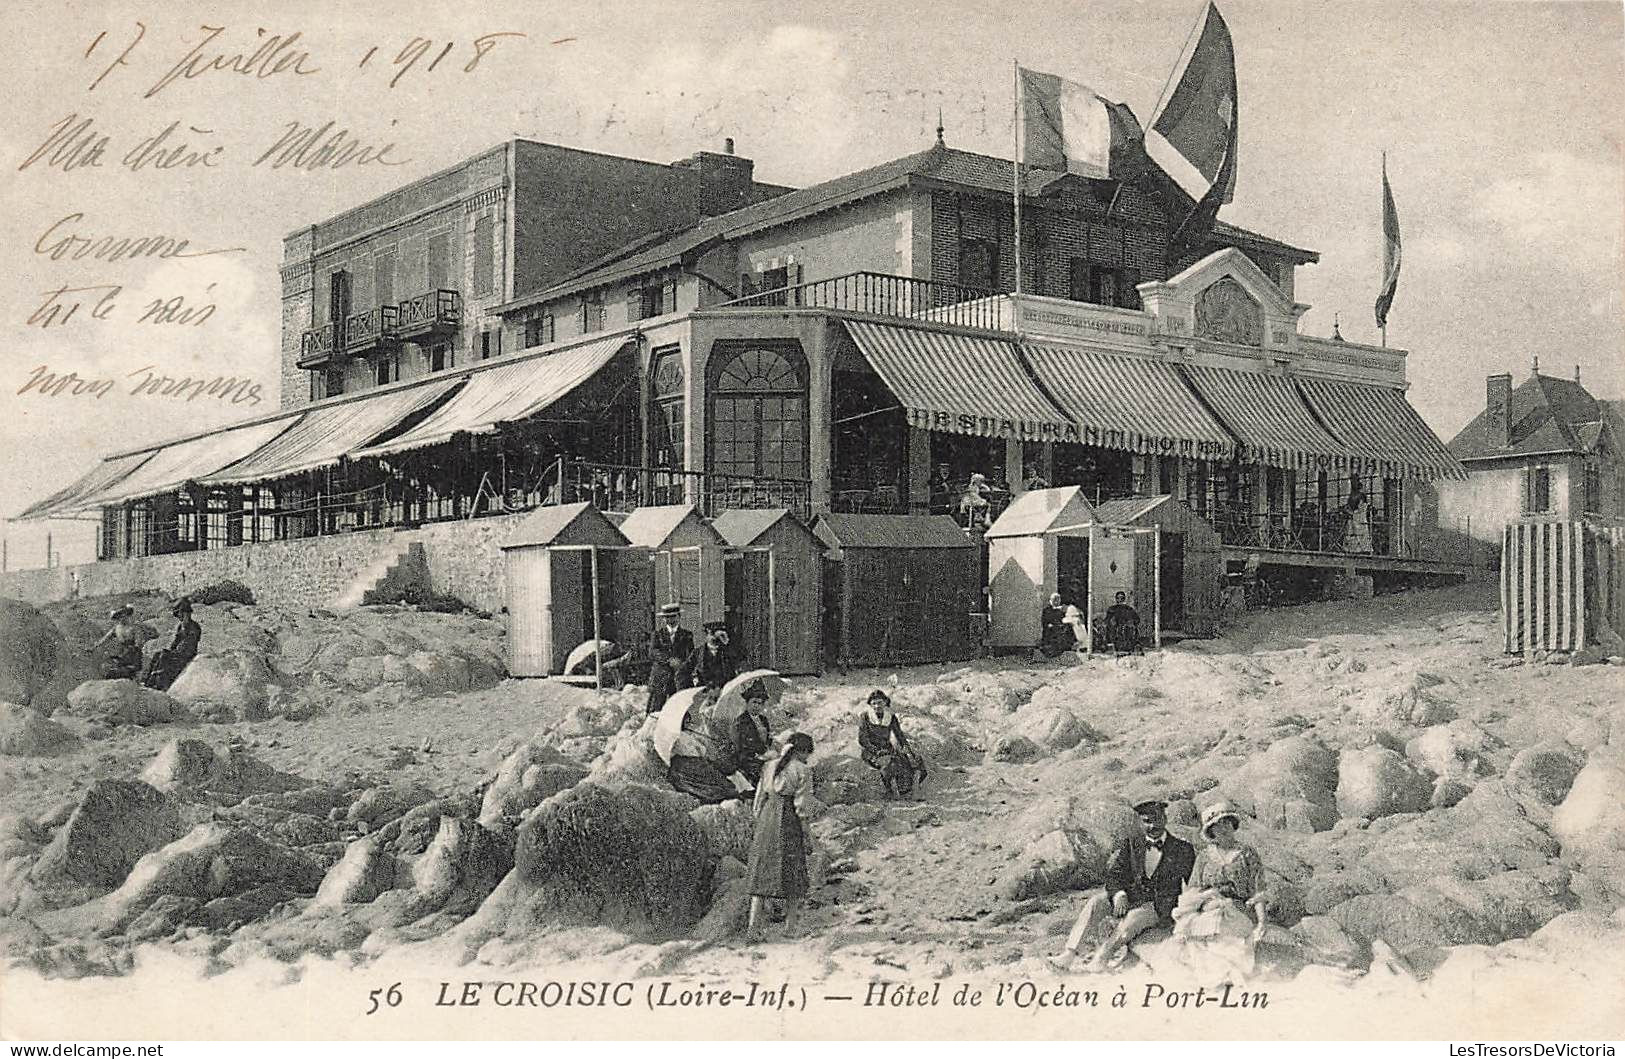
[464,558]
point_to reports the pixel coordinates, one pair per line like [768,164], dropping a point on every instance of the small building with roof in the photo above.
[686,560]
[562,586]
[1546,448]
[898,589]
[773,588]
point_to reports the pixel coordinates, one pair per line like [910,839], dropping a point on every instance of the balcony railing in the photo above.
[432,312]
[622,487]
[879,294]
[1384,536]
[319,345]
[371,329]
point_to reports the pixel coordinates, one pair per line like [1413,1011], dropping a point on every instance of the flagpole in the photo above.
[1015,169]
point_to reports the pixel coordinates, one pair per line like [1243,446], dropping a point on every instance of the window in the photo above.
[484,257]
[978,264]
[1538,490]
[333,382]
[439,357]
[1593,487]
[656,299]
[759,414]
[387,369]
[384,283]
[338,297]
[592,313]
[538,330]
[438,264]
[1104,285]
[490,343]
[668,434]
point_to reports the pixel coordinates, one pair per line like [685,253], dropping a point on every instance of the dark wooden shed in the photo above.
[1190,559]
[899,589]
[773,585]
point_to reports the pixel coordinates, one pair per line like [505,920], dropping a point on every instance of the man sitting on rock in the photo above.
[1142,887]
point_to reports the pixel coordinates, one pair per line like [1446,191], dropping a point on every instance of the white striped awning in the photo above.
[1125,402]
[71,500]
[1268,416]
[1381,429]
[189,460]
[961,384]
[326,434]
[506,393]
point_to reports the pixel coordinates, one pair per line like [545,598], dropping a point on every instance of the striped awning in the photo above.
[1124,402]
[506,393]
[1381,429]
[70,501]
[192,459]
[960,384]
[1266,413]
[326,434]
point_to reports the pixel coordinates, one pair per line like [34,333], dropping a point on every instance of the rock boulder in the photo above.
[115,824]
[1375,782]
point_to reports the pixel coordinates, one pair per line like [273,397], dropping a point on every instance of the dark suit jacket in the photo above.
[672,643]
[706,669]
[1163,887]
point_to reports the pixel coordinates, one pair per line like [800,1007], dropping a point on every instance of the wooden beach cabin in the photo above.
[686,559]
[898,589]
[772,586]
[1190,559]
[566,582]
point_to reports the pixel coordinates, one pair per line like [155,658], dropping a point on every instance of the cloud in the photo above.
[1564,207]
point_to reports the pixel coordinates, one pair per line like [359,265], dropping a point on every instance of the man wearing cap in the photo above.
[669,651]
[1142,887]
[712,665]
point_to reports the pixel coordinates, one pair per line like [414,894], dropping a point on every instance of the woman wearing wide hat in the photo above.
[123,642]
[1224,910]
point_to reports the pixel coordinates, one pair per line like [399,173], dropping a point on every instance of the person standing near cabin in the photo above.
[778,848]
[123,642]
[167,665]
[713,664]
[669,652]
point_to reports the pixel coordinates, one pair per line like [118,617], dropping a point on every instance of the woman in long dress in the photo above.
[1224,908]
[778,849]
[1357,537]
[122,659]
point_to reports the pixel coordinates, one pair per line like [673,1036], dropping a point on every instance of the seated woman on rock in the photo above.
[693,769]
[884,747]
[122,657]
[166,666]
[1223,912]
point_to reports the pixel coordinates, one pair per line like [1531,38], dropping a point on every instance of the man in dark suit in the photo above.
[669,650]
[1142,887]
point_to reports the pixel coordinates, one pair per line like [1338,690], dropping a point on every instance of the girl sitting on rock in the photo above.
[883,746]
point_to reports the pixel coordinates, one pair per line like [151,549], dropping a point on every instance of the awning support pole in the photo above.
[597,640]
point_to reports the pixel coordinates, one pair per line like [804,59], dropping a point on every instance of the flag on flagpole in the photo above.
[1390,249]
[1069,128]
[1192,137]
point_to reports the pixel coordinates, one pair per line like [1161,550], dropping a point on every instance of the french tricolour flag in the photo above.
[1068,128]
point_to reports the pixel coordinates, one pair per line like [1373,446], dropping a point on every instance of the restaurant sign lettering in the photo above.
[992,426]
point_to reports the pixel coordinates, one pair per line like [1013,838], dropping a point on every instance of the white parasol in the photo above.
[669,725]
[587,650]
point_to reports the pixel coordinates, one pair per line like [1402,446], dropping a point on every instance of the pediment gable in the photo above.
[1224,298]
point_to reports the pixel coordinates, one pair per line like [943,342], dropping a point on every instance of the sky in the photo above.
[1501,121]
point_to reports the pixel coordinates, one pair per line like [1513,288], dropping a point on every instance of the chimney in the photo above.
[1497,397]
[724,180]
[1577,373]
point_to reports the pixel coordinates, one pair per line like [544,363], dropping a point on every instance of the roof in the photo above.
[650,527]
[936,164]
[742,527]
[1039,510]
[891,531]
[1125,510]
[1544,415]
[564,524]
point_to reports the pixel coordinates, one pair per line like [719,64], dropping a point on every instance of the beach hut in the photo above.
[899,589]
[1054,540]
[1562,585]
[562,586]
[686,559]
[772,588]
[1190,560]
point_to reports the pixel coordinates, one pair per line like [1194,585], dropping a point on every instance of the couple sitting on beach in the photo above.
[1223,909]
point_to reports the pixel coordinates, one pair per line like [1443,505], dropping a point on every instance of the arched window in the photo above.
[667,434]
[759,414]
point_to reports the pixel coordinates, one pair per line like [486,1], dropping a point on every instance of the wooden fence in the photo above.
[1562,585]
